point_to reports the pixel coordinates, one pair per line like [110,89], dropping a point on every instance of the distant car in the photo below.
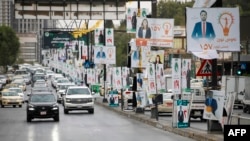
[42,105]
[18,90]
[3,79]
[10,98]
[62,87]
[167,106]
[78,98]
[21,83]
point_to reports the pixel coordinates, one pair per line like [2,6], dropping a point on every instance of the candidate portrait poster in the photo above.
[104,55]
[132,15]
[154,32]
[213,29]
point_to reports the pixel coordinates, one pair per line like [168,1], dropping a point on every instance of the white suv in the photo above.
[78,98]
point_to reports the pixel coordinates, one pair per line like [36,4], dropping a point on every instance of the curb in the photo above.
[186,132]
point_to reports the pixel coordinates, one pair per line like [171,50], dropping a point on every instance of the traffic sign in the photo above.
[205,69]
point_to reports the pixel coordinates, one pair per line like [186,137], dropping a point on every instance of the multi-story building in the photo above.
[30,49]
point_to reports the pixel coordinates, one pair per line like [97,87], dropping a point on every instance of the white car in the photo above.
[78,98]
[61,89]
[54,79]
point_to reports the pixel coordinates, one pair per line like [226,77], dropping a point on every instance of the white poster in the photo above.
[151,87]
[214,105]
[117,78]
[154,32]
[104,55]
[109,37]
[160,80]
[141,98]
[186,76]
[99,37]
[176,75]
[213,29]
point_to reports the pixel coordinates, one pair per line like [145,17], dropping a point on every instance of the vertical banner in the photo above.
[139,81]
[213,29]
[151,79]
[117,78]
[125,77]
[139,56]
[99,37]
[141,99]
[176,75]
[160,80]
[85,52]
[108,75]
[109,37]
[182,113]
[186,76]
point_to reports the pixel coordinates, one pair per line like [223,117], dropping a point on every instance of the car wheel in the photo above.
[28,118]
[66,111]
[20,106]
[14,106]
[91,111]
[2,105]
[56,118]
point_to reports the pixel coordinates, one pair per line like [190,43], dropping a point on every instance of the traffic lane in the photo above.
[78,125]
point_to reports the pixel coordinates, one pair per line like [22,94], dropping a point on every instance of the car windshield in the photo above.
[10,93]
[64,87]
[62,81]
[42,98]
[83,91]
[16,90]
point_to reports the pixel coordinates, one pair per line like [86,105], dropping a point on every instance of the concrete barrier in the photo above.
[240,120]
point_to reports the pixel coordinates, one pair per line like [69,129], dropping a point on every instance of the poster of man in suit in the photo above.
[182,113]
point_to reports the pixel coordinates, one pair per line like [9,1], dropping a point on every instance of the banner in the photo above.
[104,55]
[109,37]
[99,37]
[139,56]
[176,75]
[154,32]
[213,29]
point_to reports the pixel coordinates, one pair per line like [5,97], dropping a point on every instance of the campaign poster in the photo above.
[213,29]
[182,113]
[214,104]
[154,32]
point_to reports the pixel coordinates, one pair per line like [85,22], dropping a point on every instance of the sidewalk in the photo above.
[166,125]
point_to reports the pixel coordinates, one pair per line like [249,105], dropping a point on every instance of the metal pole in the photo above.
[105,100]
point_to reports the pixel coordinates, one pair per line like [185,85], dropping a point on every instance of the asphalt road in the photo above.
[103,125]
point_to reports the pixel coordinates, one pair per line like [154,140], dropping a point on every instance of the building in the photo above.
[25,27]
[6,12]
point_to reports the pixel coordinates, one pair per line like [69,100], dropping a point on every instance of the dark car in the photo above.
[42,105]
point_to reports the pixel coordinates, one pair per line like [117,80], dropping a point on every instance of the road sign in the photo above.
[205,69]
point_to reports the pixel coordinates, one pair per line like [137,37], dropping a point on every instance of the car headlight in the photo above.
[68,99]
[55,107]
[90,99]
[31,107]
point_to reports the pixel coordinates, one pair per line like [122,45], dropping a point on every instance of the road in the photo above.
[78,125]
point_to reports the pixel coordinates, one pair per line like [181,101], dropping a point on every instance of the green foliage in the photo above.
[121,40]
[9,46]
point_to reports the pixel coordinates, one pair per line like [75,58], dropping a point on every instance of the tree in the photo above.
[9,47]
